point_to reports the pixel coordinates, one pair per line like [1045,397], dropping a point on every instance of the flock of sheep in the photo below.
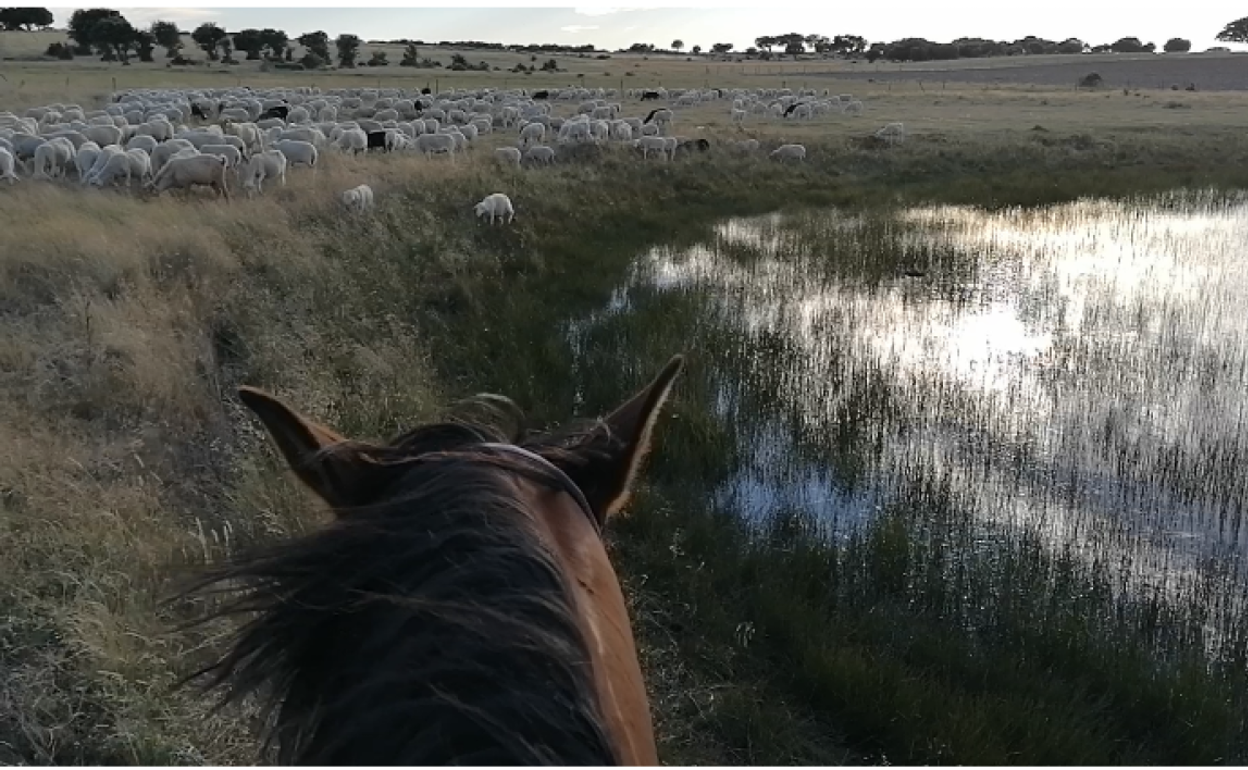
[180,138]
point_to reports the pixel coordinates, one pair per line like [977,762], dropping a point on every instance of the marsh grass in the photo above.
[128,324]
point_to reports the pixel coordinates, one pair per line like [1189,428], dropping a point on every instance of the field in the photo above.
[129,322]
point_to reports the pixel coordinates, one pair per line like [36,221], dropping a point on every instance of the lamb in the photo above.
[893,133]
[297,152]
[789,152]
[738,116]
[495,205]
[358,198]
[508,155]
[270,164]
[183,173]
[7,166]
[540,154]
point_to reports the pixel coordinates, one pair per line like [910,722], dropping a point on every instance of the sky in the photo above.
[1094,21]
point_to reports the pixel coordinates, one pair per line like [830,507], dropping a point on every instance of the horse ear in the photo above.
[606,477]
[333,476]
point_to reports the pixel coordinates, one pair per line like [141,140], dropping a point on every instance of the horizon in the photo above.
[613,29]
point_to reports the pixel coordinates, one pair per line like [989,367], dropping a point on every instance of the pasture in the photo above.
[130,321]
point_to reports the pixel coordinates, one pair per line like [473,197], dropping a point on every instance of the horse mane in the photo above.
[429,627]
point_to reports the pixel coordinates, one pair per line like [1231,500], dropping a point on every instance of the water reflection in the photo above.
[1078,370]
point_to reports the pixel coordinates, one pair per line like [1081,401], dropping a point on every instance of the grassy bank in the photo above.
[129,323]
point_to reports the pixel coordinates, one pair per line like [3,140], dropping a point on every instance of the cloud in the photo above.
[578,28]
[141,16]
[602,11]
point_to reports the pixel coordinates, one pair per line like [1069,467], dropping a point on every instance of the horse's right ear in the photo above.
[335,476]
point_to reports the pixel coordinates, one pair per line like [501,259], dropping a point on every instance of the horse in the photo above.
[460,607]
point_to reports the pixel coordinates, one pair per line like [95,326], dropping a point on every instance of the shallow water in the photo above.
[1077,370]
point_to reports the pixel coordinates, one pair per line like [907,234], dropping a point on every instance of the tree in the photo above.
[113,37]
[765,42]
[24,19]
[697,49]
[249,42]
[677,45]
[144,43]
[1071,45]
[1235,32]
[721,48]
[1177,45]
[226,46]
[875,51]
[411,56]
[208,36]
[167,36]
[275,40]
[378,59]
[348,48]
[316,43]
[82,26]
[1127,45]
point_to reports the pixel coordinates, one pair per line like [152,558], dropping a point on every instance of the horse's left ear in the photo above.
[607,475]
[340,478]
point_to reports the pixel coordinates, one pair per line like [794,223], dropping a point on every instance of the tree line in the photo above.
[107,33]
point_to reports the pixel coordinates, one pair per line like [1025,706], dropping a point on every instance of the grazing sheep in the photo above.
[789,152]
[116,167]
[164,152]
[358,198]
[270,164]
[649,144]
[540,154]
[297,152]
[231,154]
[7,164]
[142,142]
[508,155]
[495,205]
[140,164]
[893,133]
[853,107]
[532,133]
[429,144]
[184,173]
[52,158]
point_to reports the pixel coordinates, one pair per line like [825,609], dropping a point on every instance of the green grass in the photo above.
[129,323]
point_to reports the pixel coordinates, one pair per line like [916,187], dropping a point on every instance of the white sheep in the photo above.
[532,133]
[117,166]
[496,205]
[892,133]
[429,144]
[358,198]
[7,166]
[231,154]
[297,152]
[508,155]
[649,144]
[183,173]
[52,158]
[540,154]
[270,164]
[789,152]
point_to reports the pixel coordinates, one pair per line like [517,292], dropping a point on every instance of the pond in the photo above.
[1077,371]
